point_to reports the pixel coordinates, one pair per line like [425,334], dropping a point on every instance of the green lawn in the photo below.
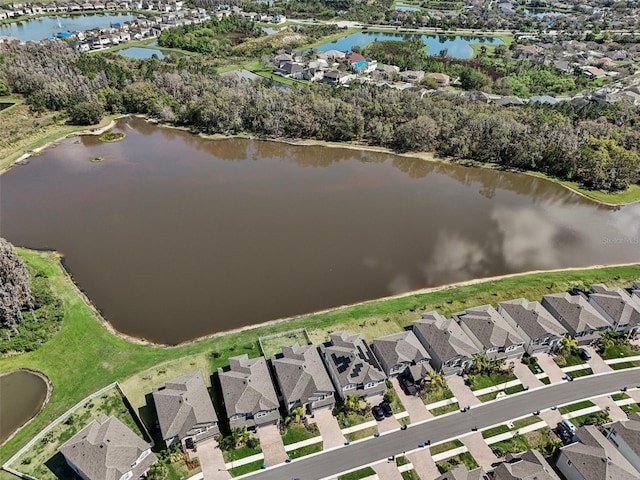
[358,474]
[238,453]
[619,351]
[452,407]
[308,450]
[596,418]
[272,345]
[492,395]
[352,418]
[631,408]
[619,396]
[410,475]
[581,373]
[465,459]
[402,460]
[524,422]
[573,407]
[392,397]
[478,382]
[104,357]
[298,433]
[517,424]
[247,468]
[569,360]
[546,380]
[445,447]
[540,439]
[622,365]
[492,432]
[359,434]
[437,395]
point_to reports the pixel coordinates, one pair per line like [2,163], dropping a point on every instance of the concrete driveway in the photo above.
[211,461]
[387,471]
[479,449]
[424,465]
[329,428]
[596,363]
[526,376]
[389,423]
[271,444]
[550,367]
[615,412]
[413,403]
[462,392]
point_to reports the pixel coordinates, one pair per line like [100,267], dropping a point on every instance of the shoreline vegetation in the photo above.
[107,356]
[36,147]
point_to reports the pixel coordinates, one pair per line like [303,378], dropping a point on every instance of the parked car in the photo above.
[386,409]
[378,413]
[584,354]
[408,386]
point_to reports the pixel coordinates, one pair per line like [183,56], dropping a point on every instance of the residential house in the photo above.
[249,396]
[442,79]
[332,55]
[529,465]
[290,70]
[508,101]
[539,329]
[593,457]
[625,436]
[352,366]
[617,306]
[450,348]
[402,353]
[593,72]
[302,378]
[411,76]
[460,472]
[185,411]
[107,449]
[490,332]
[335,77]
[353,57]
[577,315]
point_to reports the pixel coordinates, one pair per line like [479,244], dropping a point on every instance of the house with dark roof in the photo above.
[460,472]
[577,315]
[352,366]
[593,457]
[625,437]
[107,449]
[490,332]
[185,411]
[450,348]
[249,396]
[401,351]
[539,329]
[302,378]
[617,306]
[529,465]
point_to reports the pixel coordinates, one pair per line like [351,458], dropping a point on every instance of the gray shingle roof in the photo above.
[629,430]
[445,336]
[351,360]
[616,303]
[576,311]
[460,472]
[181,404]
[105,450]
[533,318]
[400,348]
[597,459]
[246,386]
[489,327]
[530,465]
[301,373]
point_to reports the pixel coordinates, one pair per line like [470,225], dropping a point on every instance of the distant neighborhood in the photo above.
[256,390]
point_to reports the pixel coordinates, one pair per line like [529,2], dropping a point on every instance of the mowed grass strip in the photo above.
[101,358]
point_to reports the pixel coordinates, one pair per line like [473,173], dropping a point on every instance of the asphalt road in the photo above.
[349,457]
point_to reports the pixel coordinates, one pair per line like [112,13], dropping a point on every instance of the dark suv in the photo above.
[386,409]
[378,413]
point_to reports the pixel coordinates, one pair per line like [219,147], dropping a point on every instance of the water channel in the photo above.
[174,236]
[21,396]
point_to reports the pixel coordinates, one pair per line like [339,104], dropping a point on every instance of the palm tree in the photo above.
[436,380]
[480,363]
[567,345]
[352,402]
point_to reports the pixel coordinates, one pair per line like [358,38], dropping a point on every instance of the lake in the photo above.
[456,46]
[139,52]
[174,236]
[45,27]
[21,396]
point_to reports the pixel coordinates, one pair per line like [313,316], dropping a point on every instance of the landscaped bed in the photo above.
[465,459]
[543,440]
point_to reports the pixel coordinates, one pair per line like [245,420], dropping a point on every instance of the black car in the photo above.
[386,409]
[408,386]
[378,413]
[584,354]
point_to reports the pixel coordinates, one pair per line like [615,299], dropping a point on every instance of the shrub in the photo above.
[86,113]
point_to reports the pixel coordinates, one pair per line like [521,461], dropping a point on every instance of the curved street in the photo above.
[333,462]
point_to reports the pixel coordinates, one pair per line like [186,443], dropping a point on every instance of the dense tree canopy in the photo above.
[15,293]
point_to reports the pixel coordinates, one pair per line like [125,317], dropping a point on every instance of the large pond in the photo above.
[140,52]
[21,396]
[456,46]
[45,27]
[174,236]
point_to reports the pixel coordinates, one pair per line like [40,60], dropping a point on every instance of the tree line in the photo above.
[596,145]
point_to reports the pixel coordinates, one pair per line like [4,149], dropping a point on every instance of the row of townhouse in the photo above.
[16,10]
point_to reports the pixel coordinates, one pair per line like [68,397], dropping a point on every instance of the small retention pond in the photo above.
[22,394]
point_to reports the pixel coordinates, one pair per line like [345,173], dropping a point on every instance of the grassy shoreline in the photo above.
[105,357]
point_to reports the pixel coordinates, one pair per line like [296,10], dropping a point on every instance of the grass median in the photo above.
[103,357]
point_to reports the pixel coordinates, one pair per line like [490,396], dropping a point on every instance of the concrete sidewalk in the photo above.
[462,392]
[550,367]
[479,449]
[526,376]
[329,428]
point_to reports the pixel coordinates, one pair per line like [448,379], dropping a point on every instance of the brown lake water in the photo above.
[174,236]
[21,396]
